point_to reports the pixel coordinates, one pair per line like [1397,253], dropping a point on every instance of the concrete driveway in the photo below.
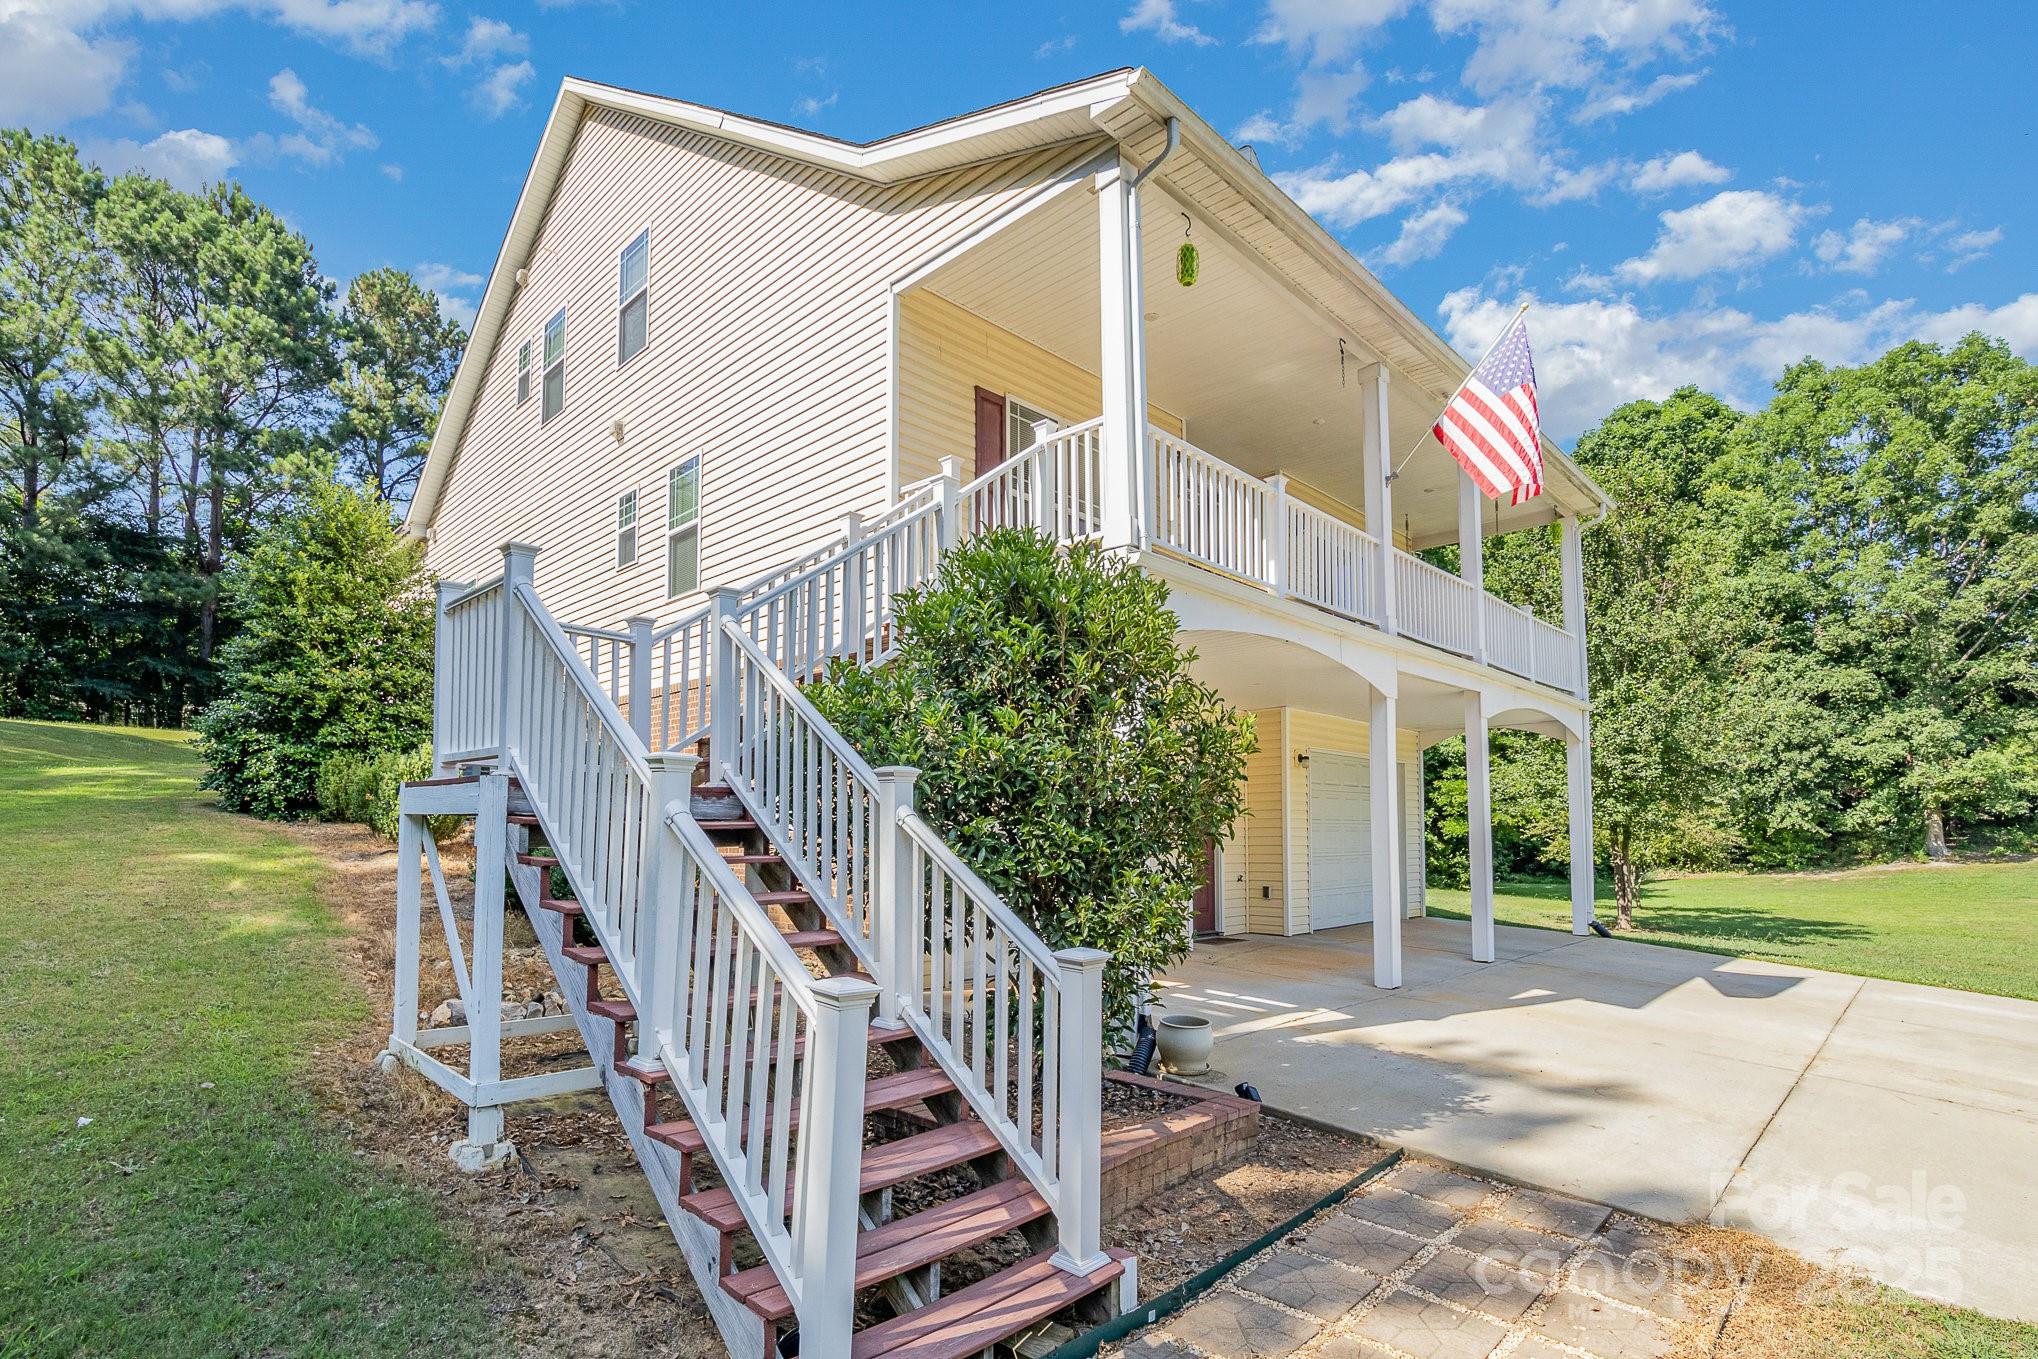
[1889,1127]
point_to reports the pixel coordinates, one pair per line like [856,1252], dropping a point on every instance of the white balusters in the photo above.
[1208,510]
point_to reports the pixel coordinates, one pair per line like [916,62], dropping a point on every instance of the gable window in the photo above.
[554,399]
[633,298]
[626,529]
[523,372]
[683,529]
[1024,425]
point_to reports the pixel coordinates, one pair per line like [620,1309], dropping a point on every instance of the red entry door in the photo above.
[1204,903]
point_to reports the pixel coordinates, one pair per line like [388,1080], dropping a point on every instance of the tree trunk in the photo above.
[1627,883]
[1935,833]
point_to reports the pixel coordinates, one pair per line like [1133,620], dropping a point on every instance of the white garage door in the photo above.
[1340,841]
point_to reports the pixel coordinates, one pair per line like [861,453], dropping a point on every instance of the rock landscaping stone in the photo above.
[1430,1330]
[1482,1285]
[1521,1247]
[1555,1212]
[1606,1329]
[1308,1284]
[1403,1212]
[1230,1326]
[1355,1241]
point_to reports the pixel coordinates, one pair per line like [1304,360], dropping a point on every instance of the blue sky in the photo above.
[1689,191]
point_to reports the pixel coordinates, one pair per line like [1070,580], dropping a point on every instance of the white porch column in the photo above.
[1121,370]
[1378,501]
[1578,774]
[1479,823]
[1472,556]
[1385,811]
[1571,552]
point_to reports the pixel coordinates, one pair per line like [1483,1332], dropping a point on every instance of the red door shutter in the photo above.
[1204,903]
[990,430]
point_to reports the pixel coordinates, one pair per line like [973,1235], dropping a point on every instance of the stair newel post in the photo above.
[723,602]
[1078,1201]
[831,1161]
[518,564]
[1046,491]
[1277,534]
[855,586]
[442,666]
[898,957]
[640,677]
[952,529]
[485,1144]
[664,863]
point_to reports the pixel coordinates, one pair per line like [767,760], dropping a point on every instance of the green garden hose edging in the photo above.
[1086,1345]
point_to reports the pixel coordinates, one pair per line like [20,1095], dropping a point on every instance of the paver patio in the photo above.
[1872,1124]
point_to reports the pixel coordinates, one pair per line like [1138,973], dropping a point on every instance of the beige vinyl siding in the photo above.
[946,353]
[1308,731]
[1233,894]
[769,332]
[1266,852]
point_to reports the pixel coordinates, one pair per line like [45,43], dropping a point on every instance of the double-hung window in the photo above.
[1025,426]
[633,298]
[626,529]
[523,372]
[554,399]
[683,529]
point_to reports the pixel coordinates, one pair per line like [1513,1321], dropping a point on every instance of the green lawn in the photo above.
[1971,926]
[165,971]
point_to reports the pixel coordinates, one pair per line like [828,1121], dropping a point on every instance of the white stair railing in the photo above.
[740,1025]
[467,684]
[1051,487]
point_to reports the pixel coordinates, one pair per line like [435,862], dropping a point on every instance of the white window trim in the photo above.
[674,531]
[524,372]
[631,528]
[563,319]
[623,303]
[1036,408]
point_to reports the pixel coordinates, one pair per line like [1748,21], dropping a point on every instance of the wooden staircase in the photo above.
[920,1142]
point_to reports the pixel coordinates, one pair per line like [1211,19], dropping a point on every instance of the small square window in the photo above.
[626,529]
[682,529]
[523,372]
[633,298]
[554,399]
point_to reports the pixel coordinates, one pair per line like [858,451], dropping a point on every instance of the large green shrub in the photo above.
[365,788]
[1065,750]
[333,655]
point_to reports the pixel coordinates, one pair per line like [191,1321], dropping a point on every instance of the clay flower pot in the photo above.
[1186,1042]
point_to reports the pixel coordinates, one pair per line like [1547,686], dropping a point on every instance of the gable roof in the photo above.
[1085,108]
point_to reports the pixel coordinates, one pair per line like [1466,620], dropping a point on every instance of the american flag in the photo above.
[1491,428]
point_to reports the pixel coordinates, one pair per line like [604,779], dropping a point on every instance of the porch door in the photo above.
[1340,841]
[990,430]
[1204,903]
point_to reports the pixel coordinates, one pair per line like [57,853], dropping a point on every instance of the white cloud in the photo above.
[1594,355]
[454,287]
[1969,246]
[392,172]
[323,138]
[1325,30]
[1263,128]
[1570,44]
[1864,247]
[1055,46]
[51,69]
[1423,234]
[370,28]
[810,105]
[188,158]
[1731,230]
[487,40]
[1158,17]
[1660,174]
[1610,103]
[501,89]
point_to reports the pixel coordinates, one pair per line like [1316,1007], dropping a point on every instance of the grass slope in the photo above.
[1970,926]
[166,971]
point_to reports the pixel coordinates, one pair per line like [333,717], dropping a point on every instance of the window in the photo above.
[1023,426]
[683,529]
[523,372]
[555,368]
[633,298]
[626,529]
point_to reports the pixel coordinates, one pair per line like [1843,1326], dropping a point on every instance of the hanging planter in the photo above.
[1188,260]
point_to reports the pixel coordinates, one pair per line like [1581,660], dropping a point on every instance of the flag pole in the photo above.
[1519,312]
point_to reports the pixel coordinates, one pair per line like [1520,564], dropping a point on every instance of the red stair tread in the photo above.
[562,906]
[886,1092]
[522,819]
[812,938]
[907,1243]
[537,860]
[986,1312]
[728,824]
[883,1166]
[589,954]
[760,859]
[617,1009]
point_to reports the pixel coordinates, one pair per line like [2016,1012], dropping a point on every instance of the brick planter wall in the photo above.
[1145,1158]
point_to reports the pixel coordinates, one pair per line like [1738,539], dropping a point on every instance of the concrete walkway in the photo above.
[1878,1125]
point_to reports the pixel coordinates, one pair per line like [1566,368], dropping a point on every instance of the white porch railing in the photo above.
[1331,564]
[1051,487]
[1436,606]
[467,689]
[1209,511]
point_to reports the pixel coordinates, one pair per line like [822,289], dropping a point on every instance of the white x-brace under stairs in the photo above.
[809,1014]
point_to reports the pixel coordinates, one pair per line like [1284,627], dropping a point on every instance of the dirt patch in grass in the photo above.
[580,1260]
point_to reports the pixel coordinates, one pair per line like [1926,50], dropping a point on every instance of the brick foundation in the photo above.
[1141,1160]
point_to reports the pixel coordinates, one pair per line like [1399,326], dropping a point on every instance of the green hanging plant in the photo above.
[1187,262]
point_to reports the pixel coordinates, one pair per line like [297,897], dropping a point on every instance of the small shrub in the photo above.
[366,788]
[1065,750]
